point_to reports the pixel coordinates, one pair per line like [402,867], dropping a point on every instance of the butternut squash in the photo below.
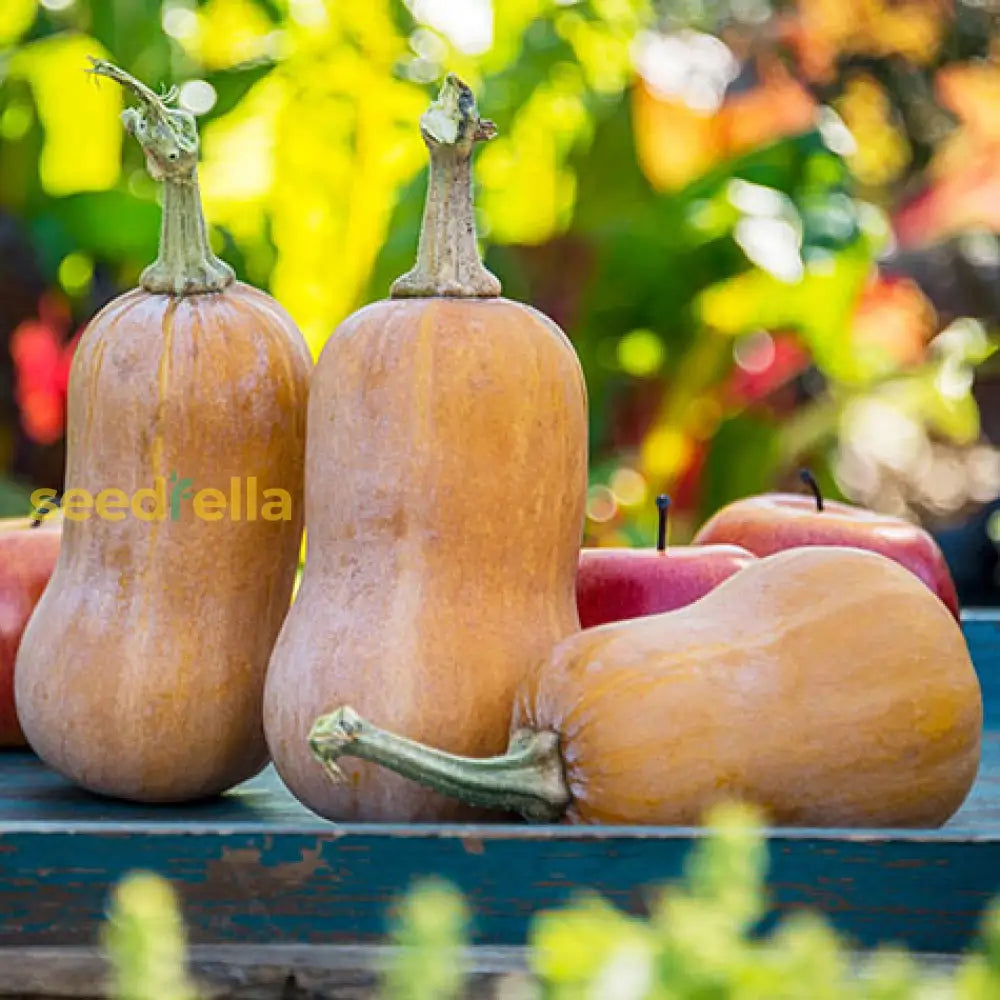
[141,673]
[445,484]
[828,686]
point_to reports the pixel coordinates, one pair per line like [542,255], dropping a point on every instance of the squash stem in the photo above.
[169,138]
[448,261]
[527,779]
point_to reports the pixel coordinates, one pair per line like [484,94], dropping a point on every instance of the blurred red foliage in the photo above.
[894,316]
[963,191]
[42,358]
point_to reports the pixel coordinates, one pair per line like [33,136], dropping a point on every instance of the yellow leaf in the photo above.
[883,151]
[230,32]
[603,46]
[665,453]
[83,134]
[510,21]
[527,191]
[345,141]
[238,153]
[16,17]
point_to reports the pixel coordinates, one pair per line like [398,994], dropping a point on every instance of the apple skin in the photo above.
[616,584]
[775,521]
[27,558]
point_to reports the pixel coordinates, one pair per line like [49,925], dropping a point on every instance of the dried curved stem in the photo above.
[169,138]
[527,779]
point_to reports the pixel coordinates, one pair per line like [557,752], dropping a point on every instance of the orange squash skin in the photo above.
[141,672]
[446,479]
[829,686]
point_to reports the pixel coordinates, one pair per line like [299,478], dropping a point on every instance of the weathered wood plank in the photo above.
[271,887]
[240,972]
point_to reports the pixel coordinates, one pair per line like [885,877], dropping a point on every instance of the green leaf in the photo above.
[112,225]
[14,498]
[743,459]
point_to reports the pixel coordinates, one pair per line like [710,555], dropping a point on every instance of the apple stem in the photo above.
[810,480]
[663,506]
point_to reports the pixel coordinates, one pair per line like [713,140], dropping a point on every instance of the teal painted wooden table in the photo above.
[256,867]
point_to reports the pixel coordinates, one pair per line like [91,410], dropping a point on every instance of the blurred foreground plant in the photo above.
[700,942]
[431,932]
[145,940]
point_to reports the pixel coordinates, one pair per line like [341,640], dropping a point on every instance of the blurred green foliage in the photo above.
[430,929]
[700,942]
[708,256]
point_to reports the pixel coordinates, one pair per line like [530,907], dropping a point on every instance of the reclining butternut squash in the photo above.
[141,672]
[445,484]
[827,686]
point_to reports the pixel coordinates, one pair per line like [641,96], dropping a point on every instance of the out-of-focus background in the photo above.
[770,228]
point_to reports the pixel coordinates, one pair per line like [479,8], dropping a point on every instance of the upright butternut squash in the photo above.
[828,686]
[445,484]
[141,672]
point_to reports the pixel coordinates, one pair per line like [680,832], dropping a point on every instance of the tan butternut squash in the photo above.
[828,686]
[445,484]
[141,673]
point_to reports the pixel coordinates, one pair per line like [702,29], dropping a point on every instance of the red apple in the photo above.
[615,584]
[775,521]
[27,557]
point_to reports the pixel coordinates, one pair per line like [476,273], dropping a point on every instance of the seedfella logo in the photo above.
[166,499]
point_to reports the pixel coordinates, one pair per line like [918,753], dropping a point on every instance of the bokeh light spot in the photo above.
[755,352]
[665,453]
[771,244]
[690,66]
[641,353]
[15,121]
[75,273]
[993,527]
[954,379]
[467,23]
[197,96]
[601,504]
[628,486]
[179,22]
